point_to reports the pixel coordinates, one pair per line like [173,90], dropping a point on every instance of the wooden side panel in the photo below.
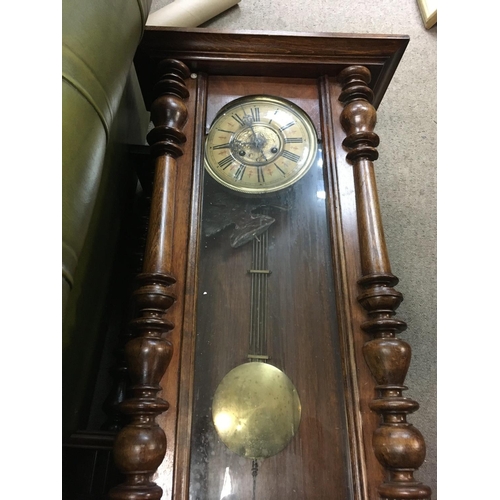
[186,374]
[343,212]
[171,382]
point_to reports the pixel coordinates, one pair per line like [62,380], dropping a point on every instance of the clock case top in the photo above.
[315,56]
[263,53]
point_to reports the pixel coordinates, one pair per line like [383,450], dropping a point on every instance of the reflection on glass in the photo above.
[227,488]
[256,410]
[266,301]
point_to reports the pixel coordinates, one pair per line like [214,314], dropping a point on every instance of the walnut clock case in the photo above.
[265,362]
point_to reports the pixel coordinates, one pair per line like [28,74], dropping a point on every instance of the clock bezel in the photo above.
[294,109]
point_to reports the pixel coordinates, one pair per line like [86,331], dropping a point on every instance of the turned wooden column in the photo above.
[141,446]
[397,444]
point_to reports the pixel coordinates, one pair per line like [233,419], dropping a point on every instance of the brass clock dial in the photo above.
[260,144]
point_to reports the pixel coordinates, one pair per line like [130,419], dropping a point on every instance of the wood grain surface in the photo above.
[317,326]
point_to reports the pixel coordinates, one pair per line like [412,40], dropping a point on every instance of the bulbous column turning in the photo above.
[397,444]
[141,446]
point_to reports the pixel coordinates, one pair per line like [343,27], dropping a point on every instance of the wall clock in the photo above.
[265,251]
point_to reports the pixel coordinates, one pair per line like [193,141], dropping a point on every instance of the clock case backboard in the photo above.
[304,68]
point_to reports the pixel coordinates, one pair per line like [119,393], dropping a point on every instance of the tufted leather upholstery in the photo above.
[98,45]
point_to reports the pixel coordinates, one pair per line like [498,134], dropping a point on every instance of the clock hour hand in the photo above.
[262,155]
[241,147]
[258,143]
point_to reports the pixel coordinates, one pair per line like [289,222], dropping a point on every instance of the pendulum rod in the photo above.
[255,471]
[258,302]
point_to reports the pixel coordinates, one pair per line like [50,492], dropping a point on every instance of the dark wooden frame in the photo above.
[353,73]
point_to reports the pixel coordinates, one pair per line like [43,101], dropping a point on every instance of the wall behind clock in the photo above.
[406,169]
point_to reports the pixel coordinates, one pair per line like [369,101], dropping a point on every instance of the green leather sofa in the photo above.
[103,112]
